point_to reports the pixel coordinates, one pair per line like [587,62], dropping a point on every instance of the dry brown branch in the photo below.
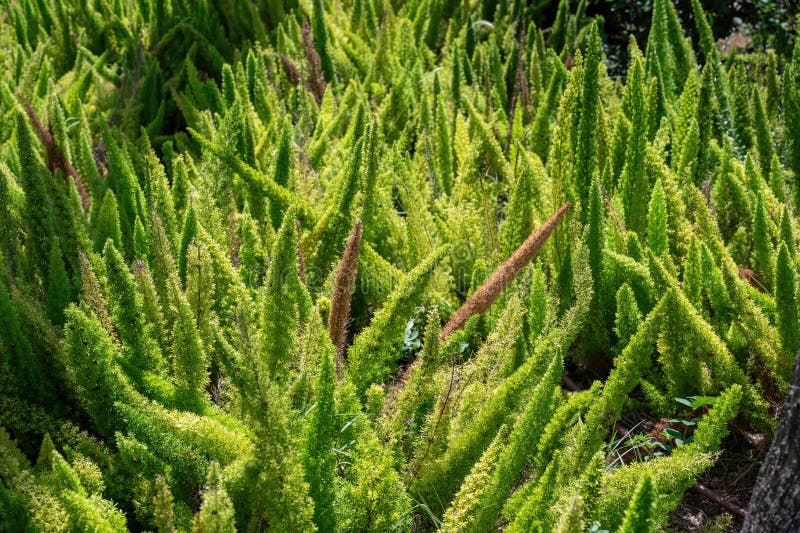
[342,289]
[55,156]
[716,499]
[487,293]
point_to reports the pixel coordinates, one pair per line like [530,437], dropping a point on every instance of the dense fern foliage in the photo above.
[236,237]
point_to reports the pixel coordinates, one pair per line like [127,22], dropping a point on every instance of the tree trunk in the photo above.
[775,503]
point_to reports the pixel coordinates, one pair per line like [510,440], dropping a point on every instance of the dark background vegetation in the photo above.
[770,18]
[770,22]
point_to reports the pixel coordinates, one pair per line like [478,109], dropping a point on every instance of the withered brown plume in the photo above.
[480,300]
[93,294]
[316,80]
[521,89]
[342,289]
[55,156]
[292,72]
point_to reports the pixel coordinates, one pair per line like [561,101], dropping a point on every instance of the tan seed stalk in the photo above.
[486,294]
[342,289]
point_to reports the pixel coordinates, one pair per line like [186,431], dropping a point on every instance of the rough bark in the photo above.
[775,503]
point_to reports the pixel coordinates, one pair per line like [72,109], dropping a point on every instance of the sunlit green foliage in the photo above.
[178,181]
[639,515]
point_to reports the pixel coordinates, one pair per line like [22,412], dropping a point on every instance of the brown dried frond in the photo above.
[93,293]
[521,89]
[291,70]
[751,277]
[342,289]
[521,79]
[55,156]
[486,294]
[316,81]
[100,156]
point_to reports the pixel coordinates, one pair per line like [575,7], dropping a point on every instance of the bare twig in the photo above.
[715,498]
[301,257]
[92,294]
[439,414]
[568,384]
